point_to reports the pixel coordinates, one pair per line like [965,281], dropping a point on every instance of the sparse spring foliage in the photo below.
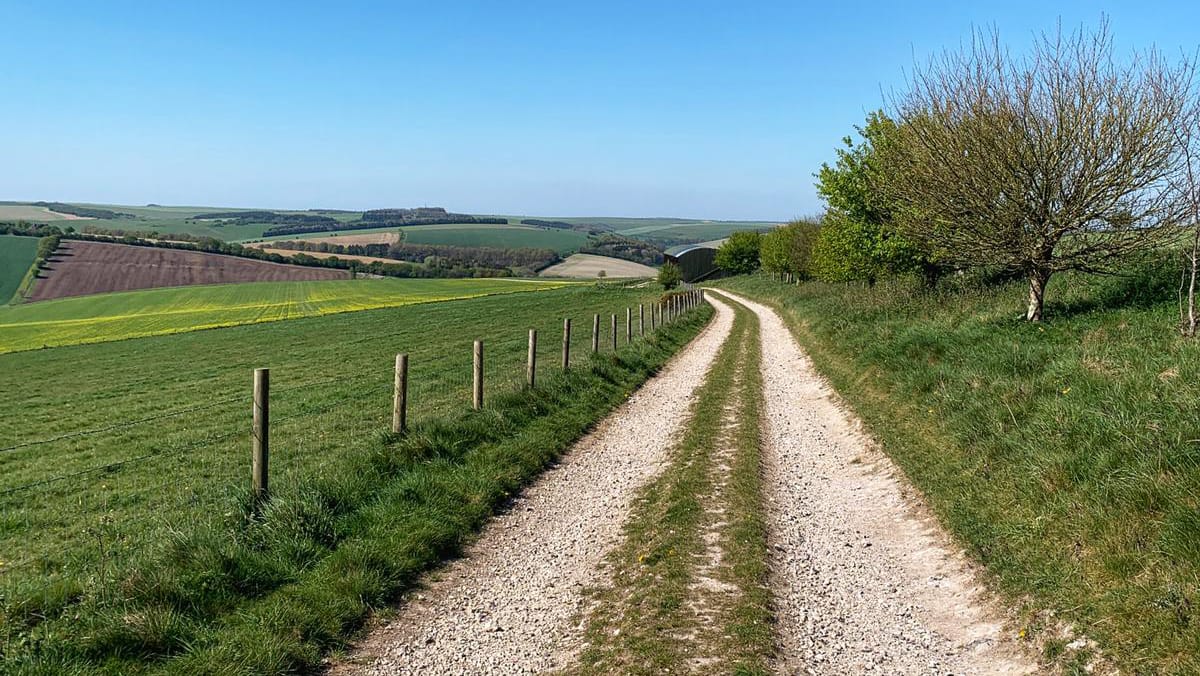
[1061,160]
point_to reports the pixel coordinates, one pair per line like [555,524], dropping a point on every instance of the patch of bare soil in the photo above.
[80,268]
[589,266]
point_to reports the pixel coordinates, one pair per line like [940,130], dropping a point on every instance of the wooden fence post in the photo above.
[614,332]
[477,389]
[641,320]
[595,333]
[566,351]
[260,436]
[531,359]
[628,325]
[400,396]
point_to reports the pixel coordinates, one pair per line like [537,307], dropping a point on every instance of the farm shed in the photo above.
[695,260]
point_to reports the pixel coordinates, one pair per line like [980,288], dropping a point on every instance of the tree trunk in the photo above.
[1189,321]
[930,274]
[1037,294]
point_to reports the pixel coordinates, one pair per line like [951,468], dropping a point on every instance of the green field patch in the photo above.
[127,544]
[699,230]
[152,312]
[16,255]
[641,230]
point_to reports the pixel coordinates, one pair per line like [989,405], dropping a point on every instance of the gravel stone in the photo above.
[866,581]
[508,605]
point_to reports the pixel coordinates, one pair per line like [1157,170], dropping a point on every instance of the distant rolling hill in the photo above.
[193,220]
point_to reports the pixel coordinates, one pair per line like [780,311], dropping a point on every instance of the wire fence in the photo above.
[79,503]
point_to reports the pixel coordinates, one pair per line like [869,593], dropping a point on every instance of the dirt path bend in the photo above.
[865,579]
[507,606]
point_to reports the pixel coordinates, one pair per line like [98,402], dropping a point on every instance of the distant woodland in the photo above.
[627,248]
[527,260]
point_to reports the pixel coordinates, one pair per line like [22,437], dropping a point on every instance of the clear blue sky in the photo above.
[701,109]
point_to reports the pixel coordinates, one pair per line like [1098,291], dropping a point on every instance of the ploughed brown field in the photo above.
[84,268]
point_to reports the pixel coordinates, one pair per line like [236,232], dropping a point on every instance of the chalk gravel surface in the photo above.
[508,606]
[865,580]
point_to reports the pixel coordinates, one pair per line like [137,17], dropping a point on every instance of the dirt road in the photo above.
[861,577]
[865,580]
[509,606]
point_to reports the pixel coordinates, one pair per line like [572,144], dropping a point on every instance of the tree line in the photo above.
[626,248]
[1069,158]
[436,268]
[587,228]
[530,259]
[253,216]
[379,219]
[83,212]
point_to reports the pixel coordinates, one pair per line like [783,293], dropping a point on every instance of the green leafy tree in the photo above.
[772,252]
[669,275]
[739,254]
[863,220]
[789,248]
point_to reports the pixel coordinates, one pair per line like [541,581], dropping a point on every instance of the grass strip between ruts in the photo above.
[657,616]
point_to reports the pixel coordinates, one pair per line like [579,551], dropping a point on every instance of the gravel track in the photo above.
[866,581]
[508,606]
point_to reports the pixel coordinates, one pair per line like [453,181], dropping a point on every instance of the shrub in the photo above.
[669,275]
[739,254]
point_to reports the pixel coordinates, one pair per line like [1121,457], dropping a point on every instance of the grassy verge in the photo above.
[1065,456]
[689,581]
[163,576]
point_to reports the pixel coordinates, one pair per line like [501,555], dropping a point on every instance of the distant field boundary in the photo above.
[46,246]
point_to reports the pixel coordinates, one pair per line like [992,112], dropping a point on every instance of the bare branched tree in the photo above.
[1061,160]
[1187,132]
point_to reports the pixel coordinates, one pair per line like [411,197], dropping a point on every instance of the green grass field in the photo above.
[16,255]
[663,229]
[1064,455]
[698,230]
[126,537]
[132,314]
